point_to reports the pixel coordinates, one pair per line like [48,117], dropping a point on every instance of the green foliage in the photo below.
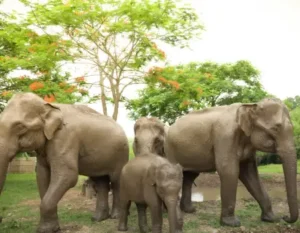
[175,90]
[22,48]
[292,102]
[117,38]
[295,117]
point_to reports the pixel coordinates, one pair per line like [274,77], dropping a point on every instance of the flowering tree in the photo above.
[175,90]
[23,49]
[116,39]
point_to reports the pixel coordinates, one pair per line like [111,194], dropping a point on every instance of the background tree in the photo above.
[117,38]
[175,90]
[23,49]
[292,102]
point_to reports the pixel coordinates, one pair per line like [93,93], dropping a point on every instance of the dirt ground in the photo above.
[206,218]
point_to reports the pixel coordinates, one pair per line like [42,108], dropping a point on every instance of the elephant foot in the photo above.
[48,228]
[122,227]
[98,217]
[144,229]
[114,214]
[269,217]
[231,221]
[187,208]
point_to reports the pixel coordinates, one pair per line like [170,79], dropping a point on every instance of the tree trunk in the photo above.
[116,108]
[103,96]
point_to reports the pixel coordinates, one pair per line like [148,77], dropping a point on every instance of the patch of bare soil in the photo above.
[213,180]
[72,228]
[205,220]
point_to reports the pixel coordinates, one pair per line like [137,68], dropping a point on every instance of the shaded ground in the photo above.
[75,212]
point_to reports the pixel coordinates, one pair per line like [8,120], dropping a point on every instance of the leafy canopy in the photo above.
[175,90]
[21,48]
[117,38]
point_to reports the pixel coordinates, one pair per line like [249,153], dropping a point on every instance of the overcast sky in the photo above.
[265,32]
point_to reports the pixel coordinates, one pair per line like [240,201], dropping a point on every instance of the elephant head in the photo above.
[149,136]
[26,123]
[167,179]
[268,126]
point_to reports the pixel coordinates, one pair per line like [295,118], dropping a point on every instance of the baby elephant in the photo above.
[151,180]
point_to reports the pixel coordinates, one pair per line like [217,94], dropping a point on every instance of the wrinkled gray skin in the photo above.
[69,140]
[149,136]
[225,139]
[151,180]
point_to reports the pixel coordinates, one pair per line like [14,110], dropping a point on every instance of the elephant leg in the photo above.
[102,207]
[116,199]
[124,212]
[249,177]
[42,176]
[186,198]
[229,181]
[60,183]
[142,217]
[179,218]
[156,215]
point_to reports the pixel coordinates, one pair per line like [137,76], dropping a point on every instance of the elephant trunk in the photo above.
[174,215]
[4,162]
[287,152]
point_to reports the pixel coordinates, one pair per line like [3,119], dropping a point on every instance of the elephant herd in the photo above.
[74,139]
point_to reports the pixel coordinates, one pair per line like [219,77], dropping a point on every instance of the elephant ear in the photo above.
[53,120]
[151,174]
[245,116]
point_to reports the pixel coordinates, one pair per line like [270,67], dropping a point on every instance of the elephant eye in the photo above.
[19,128]
[156,140]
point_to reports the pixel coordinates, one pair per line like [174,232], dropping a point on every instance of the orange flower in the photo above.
[49,98]
[199,89]
[62,84]
[208,75]
[158,69]
[5,93]
[162,53]
[79,12]
[83,91]
[36,85]
[31,50]
[155,69]
[154,45]
[53,44]
[70,89]
[174,84]
[162,79]
[186,102]
[31,34]
[79,79]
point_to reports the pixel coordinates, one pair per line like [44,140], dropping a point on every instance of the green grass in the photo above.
[274,168]
[19,206]
[131,154]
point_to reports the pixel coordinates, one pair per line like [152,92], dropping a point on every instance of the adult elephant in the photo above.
[149,136]
[225,139]
[69,140]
